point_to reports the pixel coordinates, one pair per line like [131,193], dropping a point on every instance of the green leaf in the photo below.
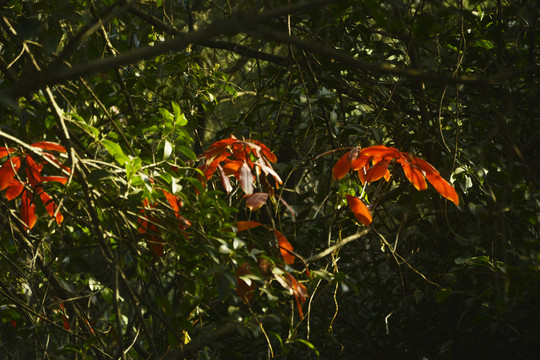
[116,151]
[442,294]
[167,150]
[187,151]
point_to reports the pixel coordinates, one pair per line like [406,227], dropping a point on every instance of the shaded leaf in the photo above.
[245,225]
[255,201]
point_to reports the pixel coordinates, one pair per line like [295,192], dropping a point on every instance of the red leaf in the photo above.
[155,244]
[5,151]
[285,248]
[245,225]
[61,179]
[14,189]
[47,145]
[298,290]
[173,201]
[33,170]
[232,166]
[244,291]
[342,167]
[377,171]
[381,151]
[256,201]
[8,170]
[266,151]
[50,206]
[360,162]
[443,187]
[245,178]
[423,165]
[414,175]
[28,210]
[66,322]
[360,210]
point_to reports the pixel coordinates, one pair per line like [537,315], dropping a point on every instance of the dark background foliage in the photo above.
[136,90]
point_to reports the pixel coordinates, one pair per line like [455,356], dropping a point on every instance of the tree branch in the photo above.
[333,248]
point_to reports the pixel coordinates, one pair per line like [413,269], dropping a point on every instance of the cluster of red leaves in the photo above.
[245,291]
[148,222]
[244,160]
[30,182]
[372,164]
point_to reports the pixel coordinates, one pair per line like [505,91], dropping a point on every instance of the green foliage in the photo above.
[145,263]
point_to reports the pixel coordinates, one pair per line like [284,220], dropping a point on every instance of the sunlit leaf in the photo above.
[297,289]
[245,178]
[50,206]
[378,171]
[266,151]
[167,150]
[360,210]
[33,170]
[443,187]
[381,151]
[8,170]
[414,175]
[14,189]
[5,151]
[285,248]
[47,145]
[224,180]
[61,179]
[28,210]
[342,167]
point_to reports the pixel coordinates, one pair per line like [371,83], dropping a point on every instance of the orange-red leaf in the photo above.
[414,175]
[256,201]
[14,189]
[245,225]
[33,170]
[359,162]
[360,210]
[28,210]
[173,201]
[47,145]
[232,166]
[266,151]
[8,170]
[422,165]
[61,179]
[443,187]
[285,248]
[378,171]
[381,151]
[50,206]
[298,290]
[342,167]
[5,151]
